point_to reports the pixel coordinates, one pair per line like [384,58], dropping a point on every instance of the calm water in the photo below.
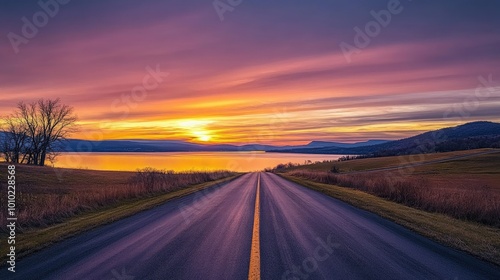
[181,161]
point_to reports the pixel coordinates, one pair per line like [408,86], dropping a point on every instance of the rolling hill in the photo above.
[473,135]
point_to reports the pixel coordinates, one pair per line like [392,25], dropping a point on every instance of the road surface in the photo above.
[300,234]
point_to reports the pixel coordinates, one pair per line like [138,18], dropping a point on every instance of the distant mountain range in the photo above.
[473,135]
[468,136]
[74,145]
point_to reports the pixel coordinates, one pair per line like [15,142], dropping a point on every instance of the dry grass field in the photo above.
[466,188]
[48,196]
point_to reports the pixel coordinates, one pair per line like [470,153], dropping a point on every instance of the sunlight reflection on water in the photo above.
[184,161]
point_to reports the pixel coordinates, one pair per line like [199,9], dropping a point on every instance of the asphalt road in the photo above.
[208,235]
[201,236]
[307,235]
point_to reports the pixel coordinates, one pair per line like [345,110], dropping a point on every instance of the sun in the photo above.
[205,138]
[196,129]
[201,135]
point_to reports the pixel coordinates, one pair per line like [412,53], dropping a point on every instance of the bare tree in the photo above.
[46,123]
[14,142]
[27,113]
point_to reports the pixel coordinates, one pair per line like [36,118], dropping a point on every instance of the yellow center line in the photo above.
[254,272]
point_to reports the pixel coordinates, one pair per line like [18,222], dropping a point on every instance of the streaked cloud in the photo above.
[270,73]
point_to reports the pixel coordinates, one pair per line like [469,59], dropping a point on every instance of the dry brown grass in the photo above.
[43,198]
[477,203]
[394,161]
[35,239]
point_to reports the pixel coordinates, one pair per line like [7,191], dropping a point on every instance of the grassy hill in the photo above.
[475,135]
[480,160]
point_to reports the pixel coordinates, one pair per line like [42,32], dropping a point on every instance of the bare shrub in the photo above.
[153,180]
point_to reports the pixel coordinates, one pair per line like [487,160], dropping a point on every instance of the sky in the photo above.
[241,71]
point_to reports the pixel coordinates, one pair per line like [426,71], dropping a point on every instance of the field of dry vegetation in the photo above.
[465,188]
[474,204]
[43,198]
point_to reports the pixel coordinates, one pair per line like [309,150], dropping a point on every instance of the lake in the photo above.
[184,161]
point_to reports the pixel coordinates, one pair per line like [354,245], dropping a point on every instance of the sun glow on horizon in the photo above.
[204,138]
[196,129]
